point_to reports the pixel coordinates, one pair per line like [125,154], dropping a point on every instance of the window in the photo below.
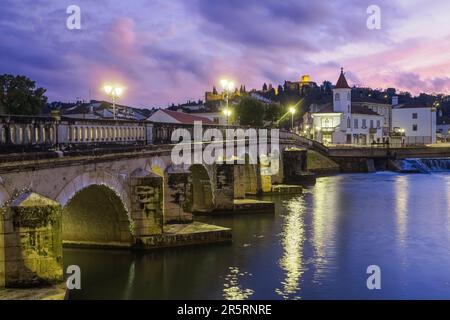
[363,123]
[371,123]
[349,124]
[336,97]
[348,108]
[378,124]
[414,127]
[349,97]
[355,123]
[414,115]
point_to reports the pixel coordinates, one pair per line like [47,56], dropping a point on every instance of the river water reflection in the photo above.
[316,246]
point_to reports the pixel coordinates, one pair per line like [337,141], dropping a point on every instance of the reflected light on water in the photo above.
[401,207]
[232,289]
[325,205]
[293,235]
[130,281]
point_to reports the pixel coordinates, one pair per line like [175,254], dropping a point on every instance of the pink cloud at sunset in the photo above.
[166,52]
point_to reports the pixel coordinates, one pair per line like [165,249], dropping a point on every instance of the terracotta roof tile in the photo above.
[186,117]
[342,82]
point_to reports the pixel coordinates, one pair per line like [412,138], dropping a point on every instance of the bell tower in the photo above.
[342,95]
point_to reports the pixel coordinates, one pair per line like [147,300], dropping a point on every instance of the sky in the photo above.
[171,51]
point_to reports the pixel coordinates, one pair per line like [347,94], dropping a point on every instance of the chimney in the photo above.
[395,100]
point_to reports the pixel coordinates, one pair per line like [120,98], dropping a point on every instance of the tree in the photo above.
[264,87]
[280,89]
[272,113]
[327,86]
[250,112]
[19,96]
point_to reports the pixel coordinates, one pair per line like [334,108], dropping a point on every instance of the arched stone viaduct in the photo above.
[118,199]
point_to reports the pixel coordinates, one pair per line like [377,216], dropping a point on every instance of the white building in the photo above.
[345,122]
[417,121]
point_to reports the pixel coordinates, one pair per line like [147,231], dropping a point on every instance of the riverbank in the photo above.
[55,292]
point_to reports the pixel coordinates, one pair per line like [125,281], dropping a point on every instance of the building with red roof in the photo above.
[167,116]
[344,122]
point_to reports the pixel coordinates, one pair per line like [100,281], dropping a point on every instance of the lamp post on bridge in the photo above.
[227,112]
[227,87]
[114,92]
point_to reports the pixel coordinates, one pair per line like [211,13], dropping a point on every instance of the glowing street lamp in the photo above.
[227,86]
[292,111]
[114,92]
[227,112]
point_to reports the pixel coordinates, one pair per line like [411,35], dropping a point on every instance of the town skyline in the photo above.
[169,57]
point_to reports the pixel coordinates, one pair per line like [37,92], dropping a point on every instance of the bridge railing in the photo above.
[162,132]
[32,133]
[305,142]
[46,133]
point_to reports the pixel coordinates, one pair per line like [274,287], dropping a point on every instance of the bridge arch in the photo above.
[96,210]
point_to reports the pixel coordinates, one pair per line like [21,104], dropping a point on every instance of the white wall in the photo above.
[339,121]
[426,124]
[344,101]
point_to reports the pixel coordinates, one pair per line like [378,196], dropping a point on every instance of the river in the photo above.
[317,245]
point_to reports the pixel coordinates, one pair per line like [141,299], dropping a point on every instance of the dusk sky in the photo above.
[167,51]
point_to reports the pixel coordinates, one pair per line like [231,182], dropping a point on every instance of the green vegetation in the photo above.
[20,96]
[250,112]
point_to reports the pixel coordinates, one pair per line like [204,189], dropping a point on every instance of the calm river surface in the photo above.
[316,246]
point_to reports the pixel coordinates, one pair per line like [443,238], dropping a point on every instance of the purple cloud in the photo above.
[167,52]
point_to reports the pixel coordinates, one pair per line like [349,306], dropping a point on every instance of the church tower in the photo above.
[342,95]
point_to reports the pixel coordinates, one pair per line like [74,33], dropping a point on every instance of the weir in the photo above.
[426,165]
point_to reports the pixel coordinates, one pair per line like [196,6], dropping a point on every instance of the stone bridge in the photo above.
[103,183]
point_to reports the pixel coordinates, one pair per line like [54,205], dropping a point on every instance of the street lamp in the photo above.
[292,111]
[227,112]
[114,92]
[227,87]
